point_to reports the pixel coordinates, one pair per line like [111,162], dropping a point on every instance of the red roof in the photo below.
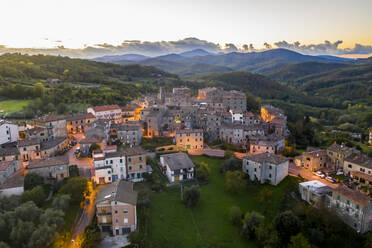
[106,148]
[4,165]
[106,108]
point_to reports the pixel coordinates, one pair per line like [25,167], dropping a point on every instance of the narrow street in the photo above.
[85,219]
[308,175]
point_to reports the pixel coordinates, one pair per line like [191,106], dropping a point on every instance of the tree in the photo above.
[37,195]
[94,147]
[21,233]
[287,225]
[202,172]
[299,241]
[265,197]
[42,237]
[235,215]
[253,104]
[39,90]
[61,202]
[61,108]
[73,171]
[75,187]
[267,236]
[234,181]
[4,245]
[32,180]
[250,224]
[52,217]
[27,212]
[135,238]
[191,195]
[231,164]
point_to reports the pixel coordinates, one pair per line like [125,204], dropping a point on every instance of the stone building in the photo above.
[136,163]
[353,207]
[54,124]
[8,132]
[336,154]
[313,160]
[78,123]
[107,112]
[189,139]
[51,169]
[315,192]
[266,167]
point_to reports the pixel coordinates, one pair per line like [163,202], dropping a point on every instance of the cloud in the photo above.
[165,47]
[327,47]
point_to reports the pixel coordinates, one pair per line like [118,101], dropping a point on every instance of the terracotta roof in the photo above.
[360,159]
[267,158]
[121,191]
[338,148]
[132,151]
[352,195]
[114,147]
[52,161]
[106,108]
[189,131]
[29,142]
[49,118]
[316,153]
[35,130]
[177,161]
[82,116]
[8,151]
[4,165]
[52,143]
[91,140]
[248,114]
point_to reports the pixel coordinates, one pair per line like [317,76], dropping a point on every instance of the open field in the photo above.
[10,106]
[171,224]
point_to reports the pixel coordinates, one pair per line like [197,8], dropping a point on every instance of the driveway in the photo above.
[307,175]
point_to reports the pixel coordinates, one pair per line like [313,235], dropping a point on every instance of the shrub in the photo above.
[191,195]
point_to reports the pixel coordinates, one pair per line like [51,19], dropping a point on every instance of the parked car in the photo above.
[319,174]
[339,172]
[77,151]
[73,143]
[331,179]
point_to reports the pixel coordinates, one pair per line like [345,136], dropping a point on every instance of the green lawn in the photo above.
[171,224]
[10,106]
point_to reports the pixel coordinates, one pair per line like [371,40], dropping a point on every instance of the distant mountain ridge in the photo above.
[258,62]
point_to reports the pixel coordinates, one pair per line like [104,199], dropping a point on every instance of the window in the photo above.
[111,162]
[350,166]
[140,166]
[338,197]
[125,220]
[337,205]
[270,167]
[116,221]
[125,210]
[348,202]
[116,211]
[356,216]
[130,167]
[121,160]
[140,158]
[269,175]
[357,207]
[255,169]
[129,159]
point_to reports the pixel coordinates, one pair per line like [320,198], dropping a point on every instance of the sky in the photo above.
[78,23]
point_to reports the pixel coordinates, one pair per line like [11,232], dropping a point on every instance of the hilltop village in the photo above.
[107,146]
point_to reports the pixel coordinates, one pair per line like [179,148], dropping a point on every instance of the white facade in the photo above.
[8,132]
[265,171]
[106,112]
[178,175]
[109,168]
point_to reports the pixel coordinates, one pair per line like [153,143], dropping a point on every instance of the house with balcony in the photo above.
[116,209]
[177,167]
[353,207]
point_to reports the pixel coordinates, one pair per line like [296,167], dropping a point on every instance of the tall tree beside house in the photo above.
[287,225]
[202,172]
[191,195]
[37,195]
[32,180]
[251,223]
[234,181]
[75,187]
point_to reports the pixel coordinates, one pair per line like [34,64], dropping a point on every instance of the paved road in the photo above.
[308,175]
[85,219]
[81,162]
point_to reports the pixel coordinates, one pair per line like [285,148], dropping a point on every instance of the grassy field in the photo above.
[171,224]
[10,106]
